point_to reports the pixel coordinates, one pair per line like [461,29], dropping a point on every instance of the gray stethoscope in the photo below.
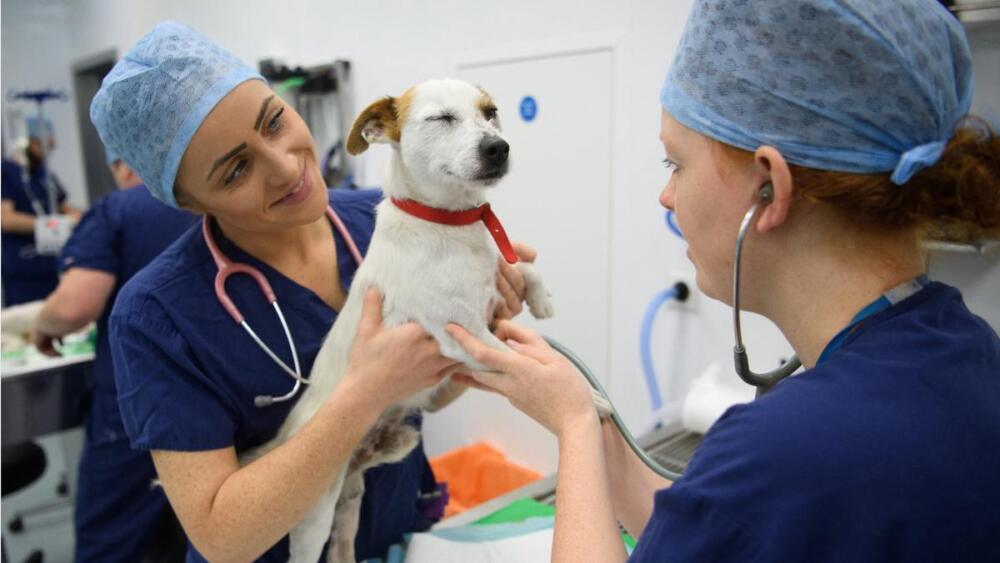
[762,381]
[227,268]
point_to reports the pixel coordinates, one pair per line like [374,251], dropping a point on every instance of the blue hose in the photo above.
[672,224]
[652,385]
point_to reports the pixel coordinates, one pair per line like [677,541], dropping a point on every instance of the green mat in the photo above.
[522,509]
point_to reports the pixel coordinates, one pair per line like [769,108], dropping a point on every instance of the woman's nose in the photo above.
[667,195]
[284,167]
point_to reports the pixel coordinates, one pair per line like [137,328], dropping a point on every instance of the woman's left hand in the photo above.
[536,379]
[511,284]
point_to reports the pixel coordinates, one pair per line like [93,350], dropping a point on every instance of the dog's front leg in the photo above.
[538,298]
[345,521]
[445,393]
[305,541]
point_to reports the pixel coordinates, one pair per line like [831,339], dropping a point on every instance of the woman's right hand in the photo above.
[539,381]
[389,364]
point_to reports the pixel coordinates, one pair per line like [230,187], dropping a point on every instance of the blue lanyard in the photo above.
[886,300]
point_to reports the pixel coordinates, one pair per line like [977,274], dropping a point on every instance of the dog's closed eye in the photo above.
[447,118]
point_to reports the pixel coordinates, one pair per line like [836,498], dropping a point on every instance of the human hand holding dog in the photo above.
[389,364]
[511,283]
[535,378]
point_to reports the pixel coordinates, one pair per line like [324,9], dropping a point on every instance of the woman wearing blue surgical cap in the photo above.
[842,121]
[207,134]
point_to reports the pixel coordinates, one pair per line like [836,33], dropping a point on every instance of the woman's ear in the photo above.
[772,168]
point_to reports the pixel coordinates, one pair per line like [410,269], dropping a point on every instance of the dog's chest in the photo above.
[433,273]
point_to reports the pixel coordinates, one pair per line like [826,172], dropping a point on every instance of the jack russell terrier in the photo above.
[434,257]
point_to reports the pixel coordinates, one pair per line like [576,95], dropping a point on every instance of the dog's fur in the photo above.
[429,273]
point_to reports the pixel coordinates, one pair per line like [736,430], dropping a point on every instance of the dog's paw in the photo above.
[386,442]
[540,303]
[602,405]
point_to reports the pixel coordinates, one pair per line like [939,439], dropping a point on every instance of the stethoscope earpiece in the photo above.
[766,194]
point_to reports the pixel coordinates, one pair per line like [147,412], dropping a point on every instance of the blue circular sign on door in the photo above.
[529,108]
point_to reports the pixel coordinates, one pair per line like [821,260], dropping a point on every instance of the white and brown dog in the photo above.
[447,150]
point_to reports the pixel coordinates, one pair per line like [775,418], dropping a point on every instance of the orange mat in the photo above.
[477,473]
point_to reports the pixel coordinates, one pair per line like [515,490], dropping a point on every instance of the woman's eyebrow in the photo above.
[224,158]
[263,110]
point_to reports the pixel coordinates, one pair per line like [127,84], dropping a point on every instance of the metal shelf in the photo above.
[981,247]
[976,11]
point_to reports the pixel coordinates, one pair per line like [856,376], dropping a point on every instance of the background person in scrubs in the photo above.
[117,513]
[207,134]
[885,447]
[26,275]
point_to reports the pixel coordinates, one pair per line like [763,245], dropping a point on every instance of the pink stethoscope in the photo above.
[228,268]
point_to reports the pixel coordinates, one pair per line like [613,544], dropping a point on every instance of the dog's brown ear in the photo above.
[379,123]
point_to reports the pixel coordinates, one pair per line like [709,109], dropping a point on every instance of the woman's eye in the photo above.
[670,165]
[274,125]
[236,172]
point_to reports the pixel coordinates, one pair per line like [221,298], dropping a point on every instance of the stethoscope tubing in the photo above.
[227,268]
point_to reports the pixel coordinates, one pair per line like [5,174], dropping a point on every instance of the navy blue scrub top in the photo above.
[187,374]
[120,235]
[887,451]
[26,276]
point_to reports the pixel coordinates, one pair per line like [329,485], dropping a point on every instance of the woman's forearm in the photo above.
[255,506]
[17,222]
[632,483]
[585,528]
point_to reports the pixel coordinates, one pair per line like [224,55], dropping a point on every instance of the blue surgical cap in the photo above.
[39,128]
[110,156]
[155,98]
[849,85]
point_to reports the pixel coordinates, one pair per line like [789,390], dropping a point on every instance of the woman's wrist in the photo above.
[580,424]
[356,400]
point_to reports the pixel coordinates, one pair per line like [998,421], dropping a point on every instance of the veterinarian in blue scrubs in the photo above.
[28,276]
[207,134]
[843,120]
[117,515]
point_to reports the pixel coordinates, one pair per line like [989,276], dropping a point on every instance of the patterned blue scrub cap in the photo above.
[39,128]
[110,156]
[848,85]
[155,98]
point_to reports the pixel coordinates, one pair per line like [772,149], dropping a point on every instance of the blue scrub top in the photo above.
[120,235]
[888,451]
[26,276]
[187,374]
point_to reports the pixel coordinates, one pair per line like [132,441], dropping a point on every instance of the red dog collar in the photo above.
[467,217]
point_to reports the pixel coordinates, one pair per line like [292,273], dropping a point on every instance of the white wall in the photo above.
[394,45]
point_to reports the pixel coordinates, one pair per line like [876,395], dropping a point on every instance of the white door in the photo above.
[556,198]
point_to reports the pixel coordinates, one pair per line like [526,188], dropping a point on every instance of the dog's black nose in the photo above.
[494,150]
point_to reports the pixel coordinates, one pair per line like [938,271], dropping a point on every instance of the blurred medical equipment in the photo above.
[671,220]
[762,381]
[227,268]
[679,291]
